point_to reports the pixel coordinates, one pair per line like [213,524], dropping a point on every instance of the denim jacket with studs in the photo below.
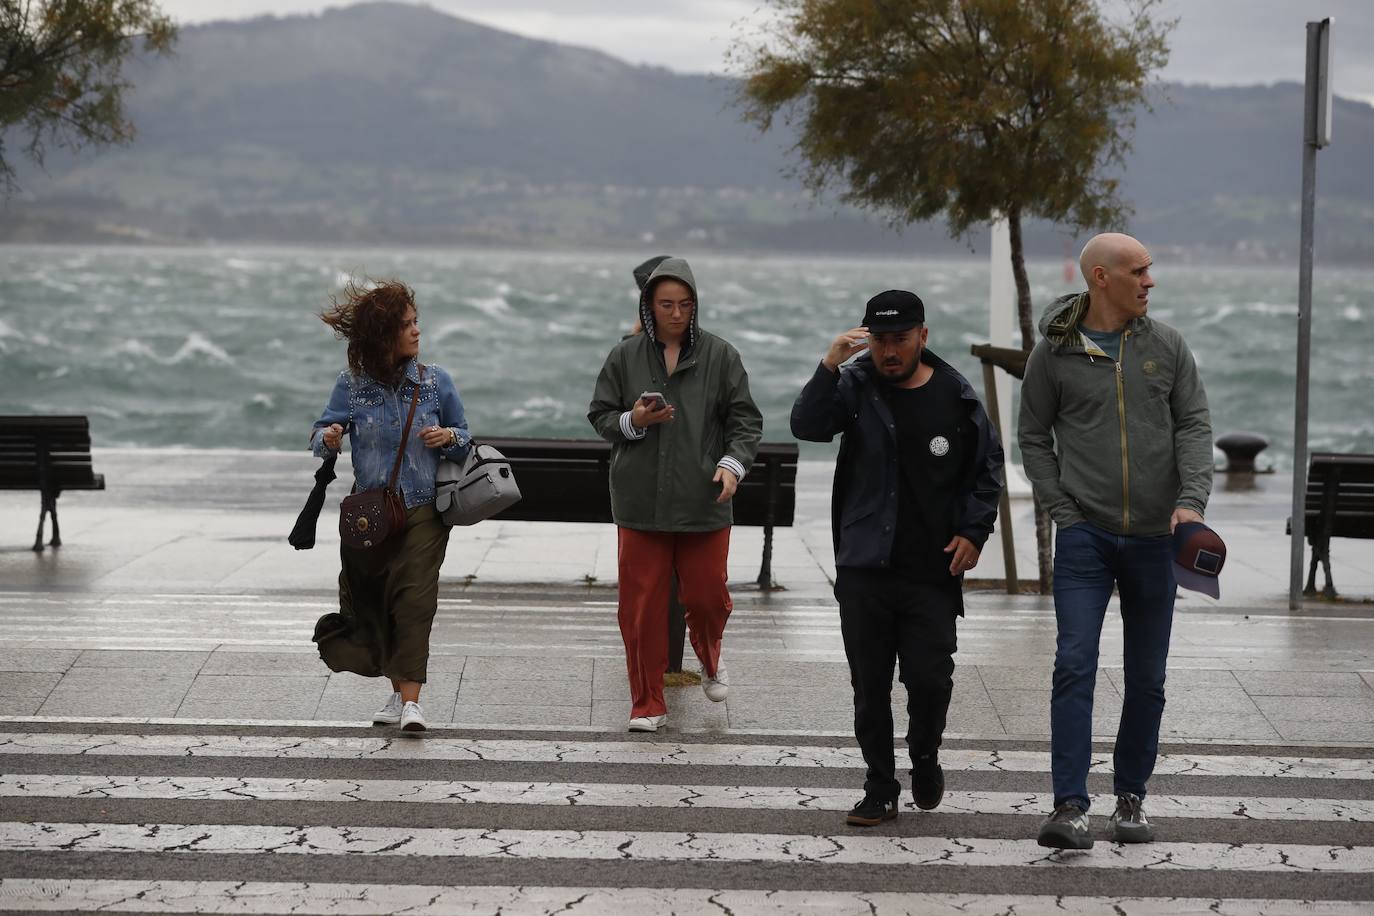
[373,415]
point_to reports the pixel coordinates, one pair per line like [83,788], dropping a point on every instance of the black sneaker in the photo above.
[1066,828]
[1129,824]
[927,782]
[873,810]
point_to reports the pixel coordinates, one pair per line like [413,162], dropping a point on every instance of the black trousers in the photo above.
[887,619]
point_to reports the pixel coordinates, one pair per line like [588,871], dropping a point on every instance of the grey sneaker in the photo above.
[389,714]
[1066,828]
[1129,824]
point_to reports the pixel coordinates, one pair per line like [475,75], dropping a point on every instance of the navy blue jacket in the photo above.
[863,505]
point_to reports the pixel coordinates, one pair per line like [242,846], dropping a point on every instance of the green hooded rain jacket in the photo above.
[662,482]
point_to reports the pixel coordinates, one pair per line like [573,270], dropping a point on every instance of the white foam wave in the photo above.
[449,329]
[7,331]
[197,345]
[761,337]
[543,408]
[492,306]
[1352,313]
[136,347]
[263,400]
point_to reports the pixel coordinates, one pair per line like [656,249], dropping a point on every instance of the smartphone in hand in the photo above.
[653,400]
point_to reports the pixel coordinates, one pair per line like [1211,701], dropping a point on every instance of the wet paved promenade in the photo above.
[169,742]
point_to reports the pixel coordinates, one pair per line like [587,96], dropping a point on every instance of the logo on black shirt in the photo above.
[939,446]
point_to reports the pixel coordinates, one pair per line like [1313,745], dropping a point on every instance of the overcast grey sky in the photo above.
[1222,42]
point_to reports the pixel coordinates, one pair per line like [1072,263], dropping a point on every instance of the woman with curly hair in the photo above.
[390,593]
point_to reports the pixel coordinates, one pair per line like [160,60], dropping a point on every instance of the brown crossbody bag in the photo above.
[371,518]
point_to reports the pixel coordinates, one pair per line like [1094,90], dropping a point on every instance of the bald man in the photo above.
[1117,442]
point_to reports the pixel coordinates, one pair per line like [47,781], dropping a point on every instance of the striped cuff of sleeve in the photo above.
[627,429]
[732,465]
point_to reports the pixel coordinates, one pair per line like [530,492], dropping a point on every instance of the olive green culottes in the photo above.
[391,595]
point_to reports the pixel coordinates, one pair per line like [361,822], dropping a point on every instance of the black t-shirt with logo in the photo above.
[936,439]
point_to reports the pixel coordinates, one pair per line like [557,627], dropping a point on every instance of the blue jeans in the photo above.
[1087,562]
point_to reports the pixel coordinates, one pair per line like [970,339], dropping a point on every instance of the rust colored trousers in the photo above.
[648,560]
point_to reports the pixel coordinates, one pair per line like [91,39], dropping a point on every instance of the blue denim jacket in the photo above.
[373,415]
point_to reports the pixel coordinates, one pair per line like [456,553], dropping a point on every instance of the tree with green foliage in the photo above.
[61,71]
[970,109]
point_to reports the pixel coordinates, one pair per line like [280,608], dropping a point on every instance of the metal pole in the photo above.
[1304,347]
[1003,499]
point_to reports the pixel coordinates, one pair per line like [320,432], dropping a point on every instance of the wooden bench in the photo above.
[1339,503]
[568,480]
[47,454]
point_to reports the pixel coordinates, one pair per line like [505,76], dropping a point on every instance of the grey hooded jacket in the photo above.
[1121,444]
[661,479]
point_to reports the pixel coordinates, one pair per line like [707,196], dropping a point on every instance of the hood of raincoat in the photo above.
[670,269]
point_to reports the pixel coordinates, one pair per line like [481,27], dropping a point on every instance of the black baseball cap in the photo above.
[894,310]
[1199,554]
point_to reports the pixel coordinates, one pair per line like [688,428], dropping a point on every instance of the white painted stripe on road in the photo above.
[640,752]
[233,897]
[634,795]
[670,846]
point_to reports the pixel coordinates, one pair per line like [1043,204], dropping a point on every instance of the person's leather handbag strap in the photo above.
[373,517]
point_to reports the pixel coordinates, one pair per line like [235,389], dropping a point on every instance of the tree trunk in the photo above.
[1043,526]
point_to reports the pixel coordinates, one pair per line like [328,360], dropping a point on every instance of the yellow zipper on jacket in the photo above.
[1125,447]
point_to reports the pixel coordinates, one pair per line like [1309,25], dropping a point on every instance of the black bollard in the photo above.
[1241,449]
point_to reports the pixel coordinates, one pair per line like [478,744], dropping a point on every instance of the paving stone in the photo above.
[1306,730]
[160,660]
[37,659]
[486,714]
[1318,709]
[1218,727]
[136,692]
[526,668]
[768,672]
[224,696]
[264,663]
[998,677]
[796,708]
[23,692]
[1304,683]
[1183,677]
[1207,700]
[610,680]
[525,693]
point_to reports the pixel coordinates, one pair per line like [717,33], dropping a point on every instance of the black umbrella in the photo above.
[302,536]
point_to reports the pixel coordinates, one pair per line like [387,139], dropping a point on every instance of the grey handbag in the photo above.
[478,488]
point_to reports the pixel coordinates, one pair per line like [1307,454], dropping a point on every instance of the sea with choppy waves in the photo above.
[221,347]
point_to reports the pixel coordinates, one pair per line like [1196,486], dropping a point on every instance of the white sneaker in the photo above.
[716,688]
[647,723]
[389,714]
[412,719]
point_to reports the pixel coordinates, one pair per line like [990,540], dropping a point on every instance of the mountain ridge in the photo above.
[386,123]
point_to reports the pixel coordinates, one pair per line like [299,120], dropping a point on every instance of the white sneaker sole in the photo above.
[388,719]
[647,723]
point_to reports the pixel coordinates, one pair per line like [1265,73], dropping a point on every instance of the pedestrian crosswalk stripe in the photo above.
[640,753]
[234,897]
[628,795]
[668,846]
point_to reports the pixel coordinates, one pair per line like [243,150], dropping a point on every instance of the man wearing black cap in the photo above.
[915,498]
